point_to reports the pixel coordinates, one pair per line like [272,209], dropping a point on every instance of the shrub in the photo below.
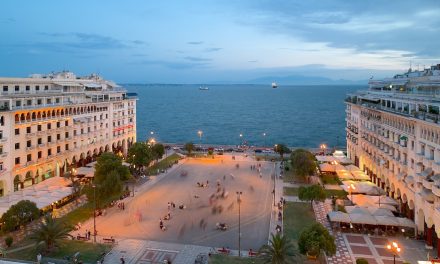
[316,238]
[19,214]
[8,241]
[361,261]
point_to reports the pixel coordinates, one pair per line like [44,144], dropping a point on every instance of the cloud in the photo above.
[190,58]
[359,25]
[212,49]
[252,61]
[139,42]
[175,64]
[195,42]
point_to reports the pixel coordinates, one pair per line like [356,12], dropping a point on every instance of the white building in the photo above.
[393,134]
[51,123]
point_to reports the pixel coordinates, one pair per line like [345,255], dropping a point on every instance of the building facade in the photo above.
[52,123]
[393,134]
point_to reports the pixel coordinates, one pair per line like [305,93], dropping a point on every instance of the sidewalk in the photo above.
[278,194]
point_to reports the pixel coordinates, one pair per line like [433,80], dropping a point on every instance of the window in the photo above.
[40,154]
[28,143]
[28,102]
[17,145]
[74,132]
[46,87]
[67,146]
[28,130]
[66,123]
[49,126]
[58,124]
[66,135]
[57,100]
[5,88]
[49,152]
[49,139]
[29,157]
[17,88]
[1,166]
[39,141]
[49,101]
[58,149]
[1,134]
[58,136]
[17,131]
[37,88]
[28,88]
[17,103]
[38,127]
[82,131]
[17,160]
[1,149]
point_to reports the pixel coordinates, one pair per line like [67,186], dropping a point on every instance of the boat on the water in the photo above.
[274,85]
[203,88]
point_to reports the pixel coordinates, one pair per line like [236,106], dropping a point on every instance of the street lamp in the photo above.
[323,147]
[200,133]
[94,213]
[395,249]
[264,135]
[241,139]
[239,222]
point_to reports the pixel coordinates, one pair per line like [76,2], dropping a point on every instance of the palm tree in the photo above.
[279,251]
[189,147]
[50,233]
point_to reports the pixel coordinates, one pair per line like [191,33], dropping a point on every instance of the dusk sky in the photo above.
[210,41]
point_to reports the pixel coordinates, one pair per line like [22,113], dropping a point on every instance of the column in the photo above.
[429,237]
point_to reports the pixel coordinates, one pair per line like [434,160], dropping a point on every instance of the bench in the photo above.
[108,240]
[83,238]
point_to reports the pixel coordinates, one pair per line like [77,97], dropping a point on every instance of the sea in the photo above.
[298,116]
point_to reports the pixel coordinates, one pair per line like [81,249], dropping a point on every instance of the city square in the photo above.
[196,223]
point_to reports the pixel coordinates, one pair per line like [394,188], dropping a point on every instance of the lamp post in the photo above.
[264,136]
[395,249]
[241,139]
[239,222]
[274,175]
[323,147]
[94,214]
[200,133]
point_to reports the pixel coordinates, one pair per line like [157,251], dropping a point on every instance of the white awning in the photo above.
[427,195]
[337,216]
[426,172]
[387,220]
[67,83]
[409,179]
[92,85]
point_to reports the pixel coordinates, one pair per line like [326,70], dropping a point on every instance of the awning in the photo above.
[405,222]
[387,220]
[92,85]
[337,216]
[363,219]
[327,167]
[67,83]
[436,179]
[357,210]
[322,158]
[380,211]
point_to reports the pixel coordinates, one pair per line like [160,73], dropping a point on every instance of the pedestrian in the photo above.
[122,260]
[169,205]
[88,234]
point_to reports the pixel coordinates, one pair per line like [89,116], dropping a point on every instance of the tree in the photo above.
[50,233]
[303,162]
[109,175]
[315,238]
[189,147]
[361,261]
[140,155]
[158,150]
[311,193]
[8,241]
[279,251]
[19,214]
[281,149]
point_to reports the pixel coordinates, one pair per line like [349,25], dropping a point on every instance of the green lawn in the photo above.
[341,194]
[163,164]
[291,191]
[221,259]
[297,216]
[89,252]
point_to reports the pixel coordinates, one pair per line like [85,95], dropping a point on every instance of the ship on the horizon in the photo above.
[203,88]
[274,85]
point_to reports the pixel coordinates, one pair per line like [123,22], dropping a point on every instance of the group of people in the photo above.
[201,184]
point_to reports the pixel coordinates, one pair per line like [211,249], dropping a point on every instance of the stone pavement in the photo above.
[342,253]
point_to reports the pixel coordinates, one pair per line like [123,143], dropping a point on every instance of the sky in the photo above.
[208,41]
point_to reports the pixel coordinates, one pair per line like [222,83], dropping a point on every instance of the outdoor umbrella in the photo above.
[405,222]
[366,219]
[387,220]
[380,211]
[357,210]
[337,216]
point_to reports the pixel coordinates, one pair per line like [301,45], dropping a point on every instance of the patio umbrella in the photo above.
[357,210]
[337,216]
[327,167]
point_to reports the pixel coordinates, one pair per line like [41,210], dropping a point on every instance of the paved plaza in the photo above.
[196,224]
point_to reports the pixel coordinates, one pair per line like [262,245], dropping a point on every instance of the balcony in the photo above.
[427,184]
[436,190]
[3,139]
[40,145]
[30,148]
